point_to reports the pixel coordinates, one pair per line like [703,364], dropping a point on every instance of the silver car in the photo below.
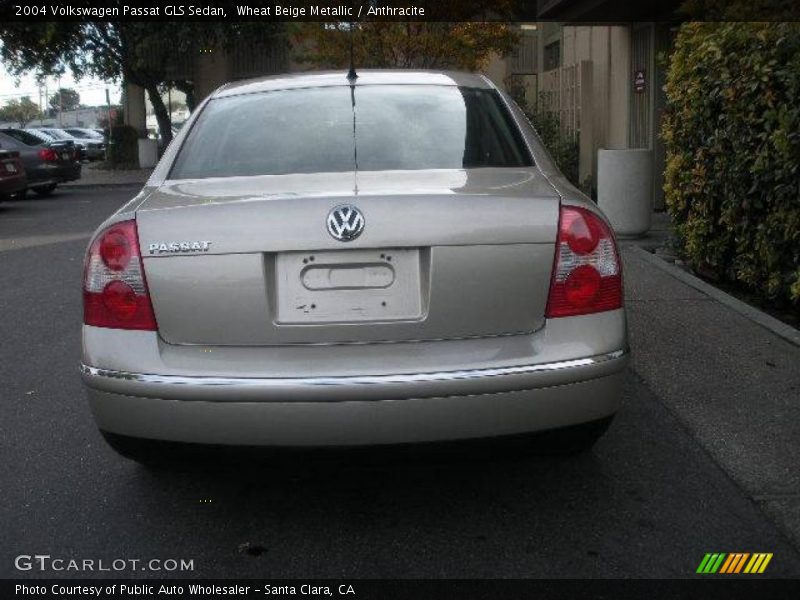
[331,262]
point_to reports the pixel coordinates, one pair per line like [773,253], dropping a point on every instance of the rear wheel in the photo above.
[44,190]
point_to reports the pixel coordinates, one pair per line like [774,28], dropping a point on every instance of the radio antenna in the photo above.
[351,74]
[351,78]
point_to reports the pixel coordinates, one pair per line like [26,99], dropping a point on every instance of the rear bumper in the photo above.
[12,185]
[360,422]
[352,411]
[50,174]
[354,388]
[569,372]
[96,152]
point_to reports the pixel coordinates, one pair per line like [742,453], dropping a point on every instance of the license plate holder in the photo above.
[348,286]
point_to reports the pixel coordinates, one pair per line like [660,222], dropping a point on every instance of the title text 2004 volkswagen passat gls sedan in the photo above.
[322,262]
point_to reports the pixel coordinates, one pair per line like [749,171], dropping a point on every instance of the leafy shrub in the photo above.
[564,149]
[732,137]
[123,149]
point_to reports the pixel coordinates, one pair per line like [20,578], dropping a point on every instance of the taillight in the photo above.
[587,274]
[48,155]
[115,291]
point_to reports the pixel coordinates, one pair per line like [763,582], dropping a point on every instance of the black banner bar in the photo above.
[564,11]
[121,589]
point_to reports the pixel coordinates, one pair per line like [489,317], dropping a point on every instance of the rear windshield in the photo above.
[23,136]
[331,129]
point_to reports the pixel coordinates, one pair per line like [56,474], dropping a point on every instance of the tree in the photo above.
[466,40]
[137,52]
[65,99]
[21,111]
[465,45]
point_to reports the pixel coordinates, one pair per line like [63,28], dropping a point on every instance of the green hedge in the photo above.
[123,149]
[732,136]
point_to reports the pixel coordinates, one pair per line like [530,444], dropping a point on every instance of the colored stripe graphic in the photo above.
[739,563]
[758,563]
[717,564]
[734,563]
[703,563]
[727,564]
[711,562]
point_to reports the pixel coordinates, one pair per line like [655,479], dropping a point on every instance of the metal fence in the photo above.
[566,93]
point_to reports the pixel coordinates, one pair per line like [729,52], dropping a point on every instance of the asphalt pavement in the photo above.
[663,487]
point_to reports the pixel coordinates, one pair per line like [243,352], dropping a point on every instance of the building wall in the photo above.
[608,49]
[497,70]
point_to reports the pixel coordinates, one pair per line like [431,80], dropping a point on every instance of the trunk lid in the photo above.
[443,254]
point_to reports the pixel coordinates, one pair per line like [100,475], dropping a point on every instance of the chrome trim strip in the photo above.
[346,380]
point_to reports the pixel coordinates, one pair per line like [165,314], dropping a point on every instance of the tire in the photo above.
[44,191]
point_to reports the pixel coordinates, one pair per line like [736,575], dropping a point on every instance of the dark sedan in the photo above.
[47,163]
[82,146]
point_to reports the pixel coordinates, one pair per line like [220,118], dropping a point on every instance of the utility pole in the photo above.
[108,111]
[108,117]
[60,104]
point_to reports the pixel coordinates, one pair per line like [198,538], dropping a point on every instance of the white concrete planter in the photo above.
[625,189]
[148,153]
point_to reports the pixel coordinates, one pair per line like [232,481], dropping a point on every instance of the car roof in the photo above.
[39,130]
[365,77]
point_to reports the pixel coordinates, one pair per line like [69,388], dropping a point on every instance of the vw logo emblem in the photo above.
[345,222]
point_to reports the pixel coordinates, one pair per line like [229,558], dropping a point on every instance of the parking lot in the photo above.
[649,501]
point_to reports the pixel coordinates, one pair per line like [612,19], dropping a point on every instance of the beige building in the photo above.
[606,81]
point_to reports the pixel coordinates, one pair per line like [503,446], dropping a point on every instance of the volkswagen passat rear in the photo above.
[325,262]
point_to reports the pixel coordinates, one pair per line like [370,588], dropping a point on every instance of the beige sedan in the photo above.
[331,262]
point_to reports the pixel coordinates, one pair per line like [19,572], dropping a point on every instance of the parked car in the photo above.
[87,149]
[12,174]
[84,133]
[95,142]
[47,162]
[319,261]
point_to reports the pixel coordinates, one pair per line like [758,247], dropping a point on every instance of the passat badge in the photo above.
[345,222]
[177,247]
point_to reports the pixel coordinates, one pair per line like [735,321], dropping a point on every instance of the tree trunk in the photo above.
[187,87]
[162,114]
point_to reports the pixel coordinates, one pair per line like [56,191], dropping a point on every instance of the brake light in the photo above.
[115,291]
[48,155]
[587,273]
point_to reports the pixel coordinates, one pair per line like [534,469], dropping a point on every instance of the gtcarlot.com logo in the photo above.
[46,562]
[734,563]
